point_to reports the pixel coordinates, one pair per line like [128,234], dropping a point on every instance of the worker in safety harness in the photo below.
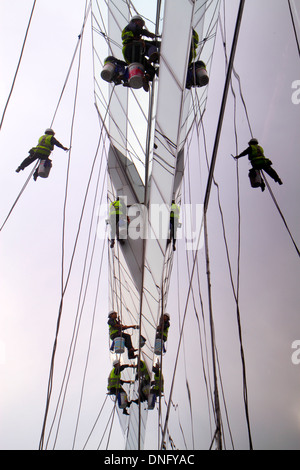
[144,382]
[258,160]
[116,330]
[174,222]
[114,385]
[192,78]
[135,49]
[42,151]
[157,385]
[117,212]
[194,46]
[162,329]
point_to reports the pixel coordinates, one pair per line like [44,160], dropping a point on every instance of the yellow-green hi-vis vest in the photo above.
[115,208]
[44,145]
[175,211]
[257,154]
[113,380]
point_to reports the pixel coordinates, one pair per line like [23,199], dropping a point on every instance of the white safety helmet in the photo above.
[116,361]
[112,311]
[167,314]
[49,131]
[138,18]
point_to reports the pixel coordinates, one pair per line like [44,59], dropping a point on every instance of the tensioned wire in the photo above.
[79,42]
[19,63]
[55,112]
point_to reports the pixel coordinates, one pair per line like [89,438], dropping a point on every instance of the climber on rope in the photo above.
[157,385]
[140,52]
[114,385]
[196,73]
[162,329]
[259,162]
[116,330]
[117,217]
[174,223]
[144,382]
[42,151]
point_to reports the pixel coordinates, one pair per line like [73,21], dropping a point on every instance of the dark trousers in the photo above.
[268,169]
[135,52]
[32,157]
[173,229]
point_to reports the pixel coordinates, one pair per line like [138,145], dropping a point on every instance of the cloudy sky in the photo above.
[267,61]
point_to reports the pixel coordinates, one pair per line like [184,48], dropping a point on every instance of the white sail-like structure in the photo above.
[147,134]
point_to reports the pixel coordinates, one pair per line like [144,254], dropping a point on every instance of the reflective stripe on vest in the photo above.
[195,42]
[127,36]
[257,152]
[44,145]
[165,333]
[159,382]
[144,371]
[114,380]
[113,330]
[115,208]
[175,211]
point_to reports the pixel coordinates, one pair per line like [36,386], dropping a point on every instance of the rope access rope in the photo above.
[63,287]
[56,109]
[294,27]
[236,290]
[76,328]
[281,214]
[19,195]
[16,73]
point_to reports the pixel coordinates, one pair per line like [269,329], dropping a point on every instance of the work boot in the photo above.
[18,169]
[146,82]
[131,354]
[154,57]
[112,243]
[279,181]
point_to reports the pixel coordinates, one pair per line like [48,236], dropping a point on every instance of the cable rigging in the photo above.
[207,195]
[52,121]
[236,290]
[281,214]
[78,317]
[294,26]
[19,63]
[63,284]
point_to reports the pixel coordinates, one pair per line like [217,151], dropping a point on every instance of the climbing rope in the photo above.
[18,66]
[280,212]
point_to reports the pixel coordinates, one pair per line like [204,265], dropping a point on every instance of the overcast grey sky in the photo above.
[268,64]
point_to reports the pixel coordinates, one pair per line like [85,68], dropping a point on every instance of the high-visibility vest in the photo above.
[113,330]
[127,36]
[257,154]
[114,380]
[175,211]
[195,42]
[44,145]
[144,371]
[159,382]
[165,333]
[115,208]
